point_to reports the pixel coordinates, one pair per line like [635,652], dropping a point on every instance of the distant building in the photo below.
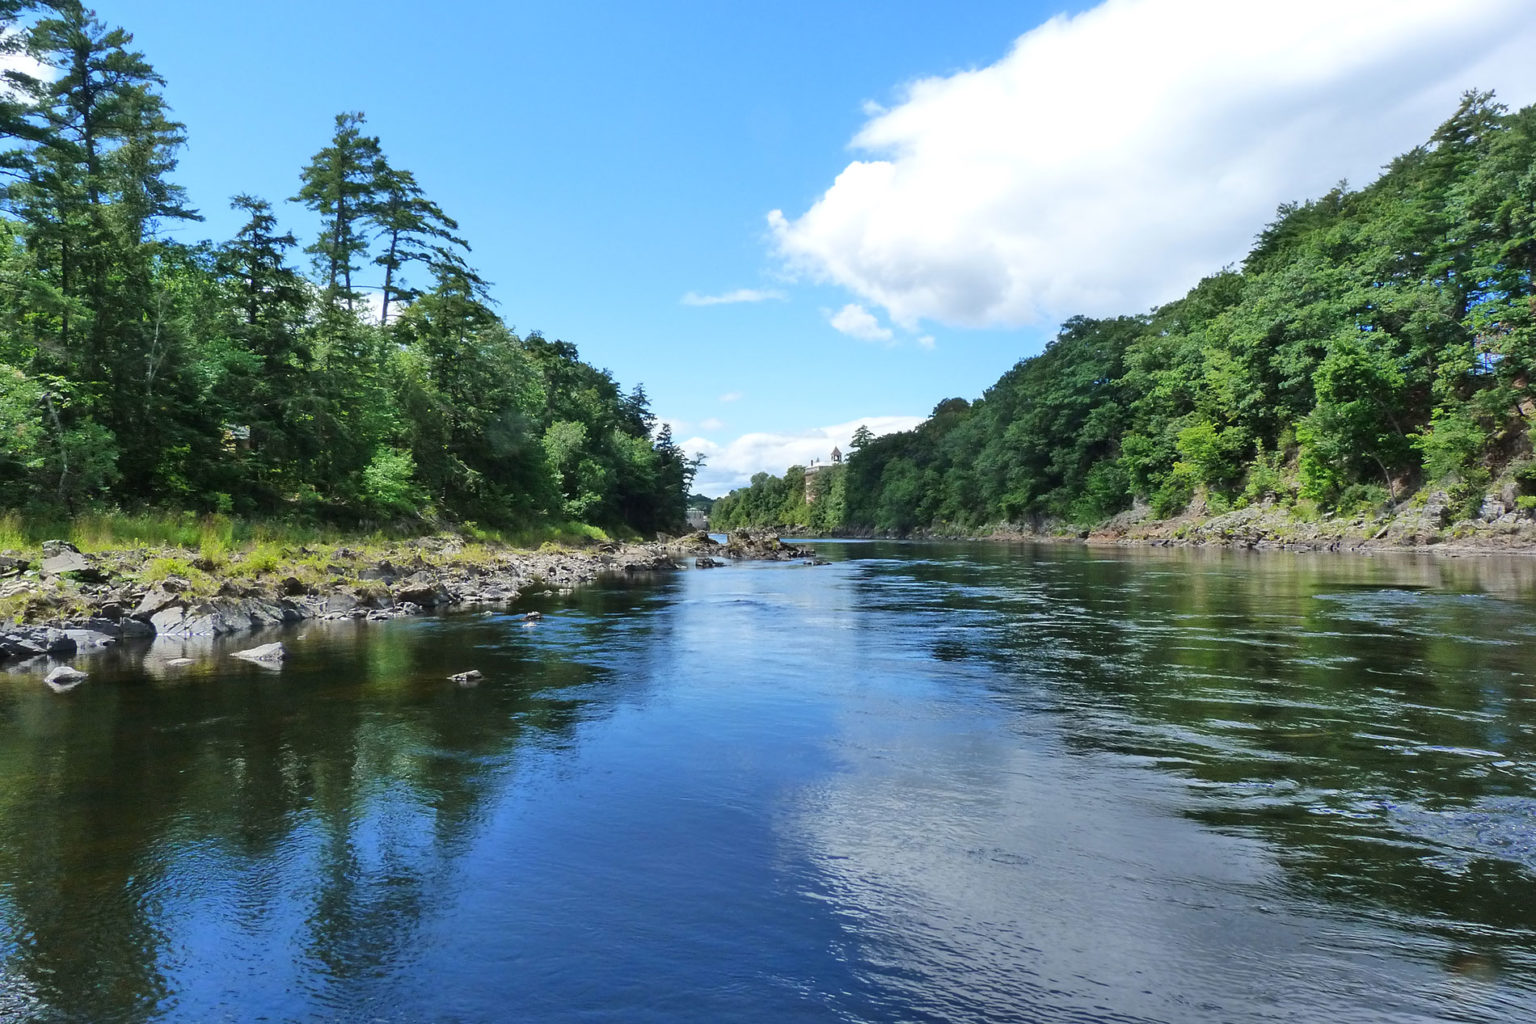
[698,519]
[814,468]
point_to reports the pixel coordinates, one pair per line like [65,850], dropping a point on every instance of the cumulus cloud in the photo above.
[731,465]
[1113,158]
[727,298]
[711,424]
[857,322]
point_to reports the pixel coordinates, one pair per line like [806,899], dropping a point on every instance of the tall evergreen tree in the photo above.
[341,184]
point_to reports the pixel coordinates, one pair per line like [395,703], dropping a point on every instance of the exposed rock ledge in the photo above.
[74,602]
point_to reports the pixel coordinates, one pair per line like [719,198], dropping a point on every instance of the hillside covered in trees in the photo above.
[1374,344]
[376,383]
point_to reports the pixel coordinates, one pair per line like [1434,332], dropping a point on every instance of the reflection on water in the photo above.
[925,783]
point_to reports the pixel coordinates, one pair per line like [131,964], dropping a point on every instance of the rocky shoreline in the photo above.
[1425,524]
[69,602]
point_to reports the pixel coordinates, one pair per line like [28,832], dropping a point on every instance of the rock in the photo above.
[179,663]
[156,601]
[384,572]
[266,653]
[169,619]
[60,551]
[90,639]
[467,678]
[65,678]
[20,645]
[425,594]
[293,587]
[108,627]
[533,616]
[1437,510]
[10,566]
[56,641]
[706,563]
[340,603]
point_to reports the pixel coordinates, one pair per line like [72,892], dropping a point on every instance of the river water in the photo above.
[922,783]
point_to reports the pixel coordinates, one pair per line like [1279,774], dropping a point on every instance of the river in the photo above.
[922,783]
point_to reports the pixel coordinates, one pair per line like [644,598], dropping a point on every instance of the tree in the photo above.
[413,229]
[342,185]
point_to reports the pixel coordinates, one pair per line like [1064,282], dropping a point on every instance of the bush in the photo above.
[389,484]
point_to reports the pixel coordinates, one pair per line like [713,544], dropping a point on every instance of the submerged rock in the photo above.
[469,678]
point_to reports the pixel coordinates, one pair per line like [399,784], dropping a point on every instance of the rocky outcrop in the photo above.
[422,577]
[758,545]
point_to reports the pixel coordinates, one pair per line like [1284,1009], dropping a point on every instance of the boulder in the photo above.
[384,572]
[169,619]
[90,639]
[156,601]
[269,654]
[179,663]
[340,603]
[467,678]
[20,645]
[427,595]
[60,556]
[65,678]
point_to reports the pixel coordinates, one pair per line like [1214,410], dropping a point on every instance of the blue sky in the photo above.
[953,182]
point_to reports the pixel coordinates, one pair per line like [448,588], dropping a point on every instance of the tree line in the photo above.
[1374,343]
[375,384]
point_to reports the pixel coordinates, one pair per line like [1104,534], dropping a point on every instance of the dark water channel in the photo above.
[925,783]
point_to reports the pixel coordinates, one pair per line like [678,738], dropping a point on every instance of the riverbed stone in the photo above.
[266,654]
[65,677]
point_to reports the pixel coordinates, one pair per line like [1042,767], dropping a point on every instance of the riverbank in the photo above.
[59,601]
[1425,523]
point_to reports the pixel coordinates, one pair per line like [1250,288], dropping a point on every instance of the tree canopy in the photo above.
[1374,342]
[137,370]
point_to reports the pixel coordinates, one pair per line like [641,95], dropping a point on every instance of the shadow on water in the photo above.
[143,812]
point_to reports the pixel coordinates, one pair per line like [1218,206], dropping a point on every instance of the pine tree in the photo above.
[341,184]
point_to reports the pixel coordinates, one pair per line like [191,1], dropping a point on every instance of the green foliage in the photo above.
[216,377]
[389,484]
[1371,340]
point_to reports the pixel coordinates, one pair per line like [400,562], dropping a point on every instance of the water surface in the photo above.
[924,783]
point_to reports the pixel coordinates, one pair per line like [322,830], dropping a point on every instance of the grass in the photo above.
[221,540]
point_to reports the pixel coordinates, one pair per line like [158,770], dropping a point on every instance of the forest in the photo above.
[1373,344]
[362,376]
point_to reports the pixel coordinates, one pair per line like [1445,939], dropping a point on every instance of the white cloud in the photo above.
[1113,158]
[927,342]
[731,396]
[731,465]
[711,424]
[857,322]
[739,295]
[20,62]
